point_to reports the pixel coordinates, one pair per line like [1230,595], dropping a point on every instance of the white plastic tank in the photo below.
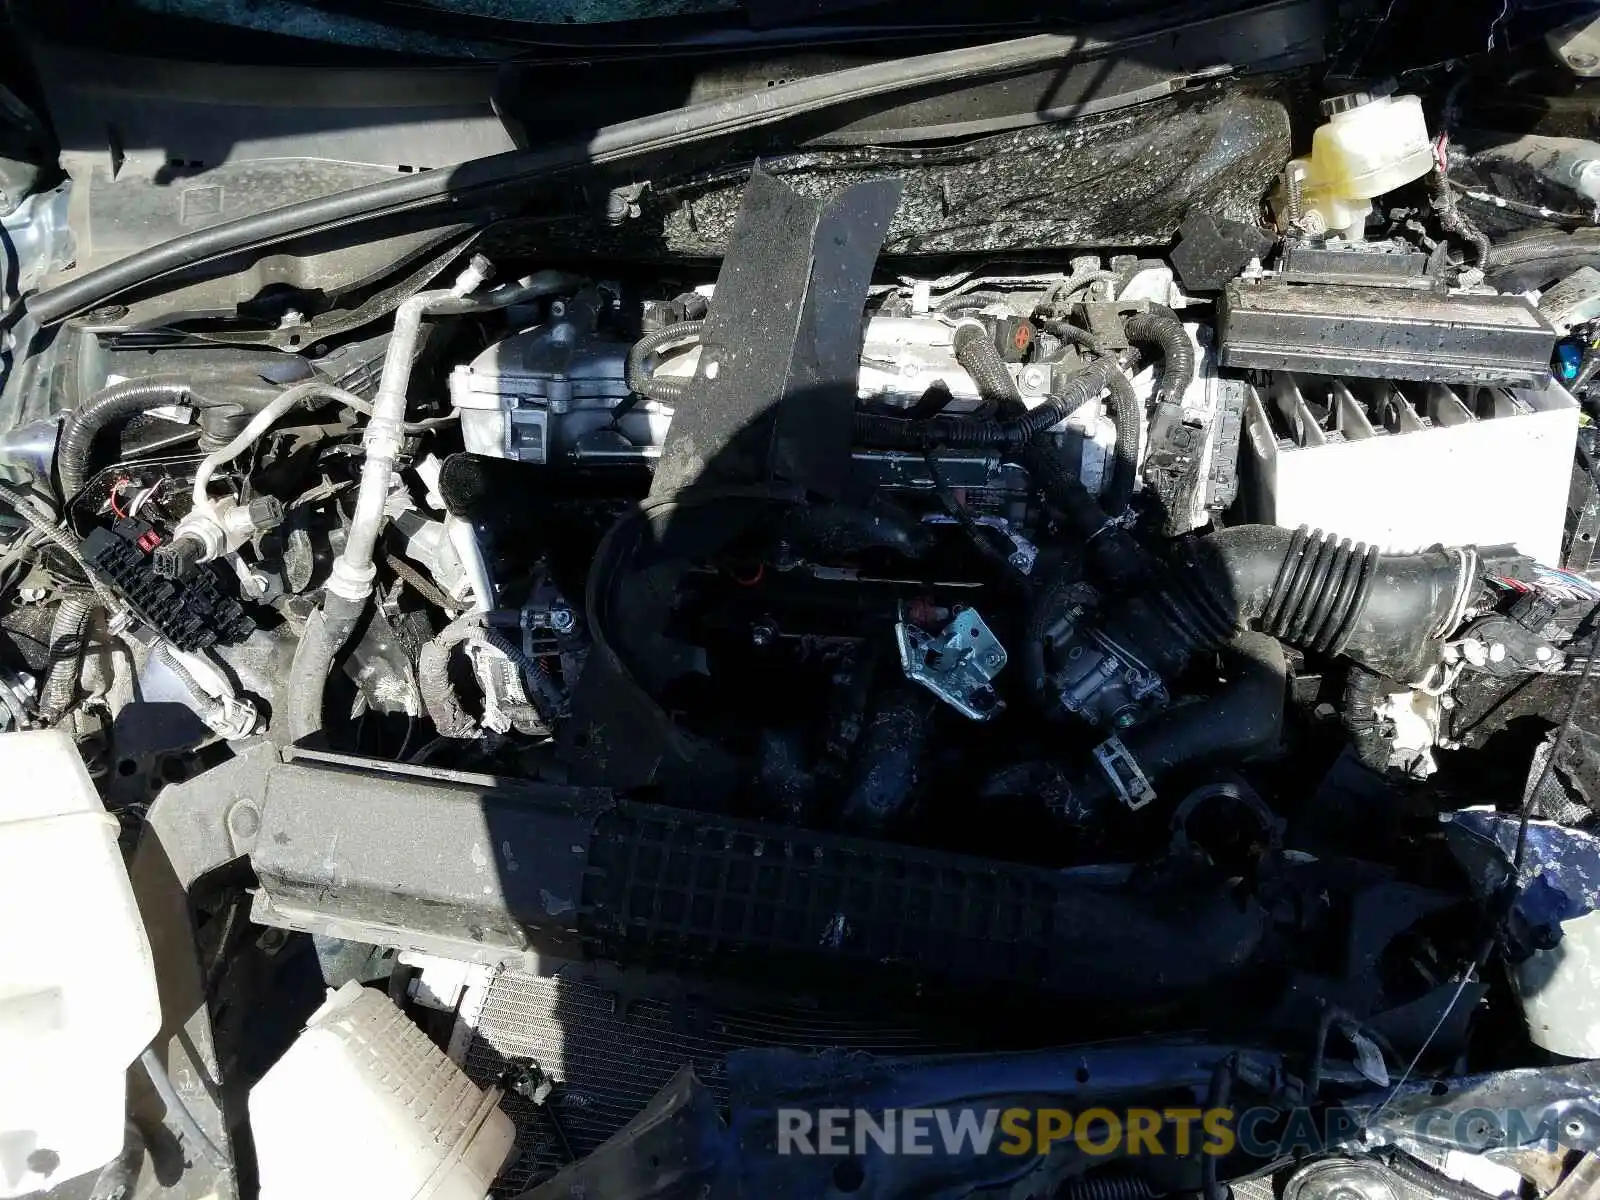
[1559,992]
[78,998]
[1368,147]
[363,1104]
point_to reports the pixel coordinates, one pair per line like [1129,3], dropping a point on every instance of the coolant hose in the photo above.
[1127,415]
[327,630]
[641,381]
[1160,327]
[1065,331]
[1243,719]
[67,633]
[104,409]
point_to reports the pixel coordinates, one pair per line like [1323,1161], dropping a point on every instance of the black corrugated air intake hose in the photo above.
[1006,433]
[105,408]
[1160,327]
[1387,612]
[666,390]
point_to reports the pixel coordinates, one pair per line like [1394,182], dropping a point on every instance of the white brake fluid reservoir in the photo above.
[1368,147]
[364,1104]
[78,998]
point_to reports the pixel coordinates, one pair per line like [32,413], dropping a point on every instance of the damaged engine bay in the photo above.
[789,586]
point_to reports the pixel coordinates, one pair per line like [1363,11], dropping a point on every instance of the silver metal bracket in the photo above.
[956,665]
[1122,769]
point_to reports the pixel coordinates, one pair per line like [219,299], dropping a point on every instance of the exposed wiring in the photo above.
[116,489]
[1519,206]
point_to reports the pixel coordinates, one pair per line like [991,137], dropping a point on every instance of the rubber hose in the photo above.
[62,539]
[981,298]
[1065,331]
[105,408]
[1127,415]
[327,630]
[985,540]
[1160,327]
[439,699]
[1007,435]
[976,353]
[891,748]
[639,378]
[1243,719]
[67,633]
[933,401]
[1361,692]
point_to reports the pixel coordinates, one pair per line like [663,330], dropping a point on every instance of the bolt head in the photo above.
[1582,62]
[246,821]
[1497,652]
[1543,653]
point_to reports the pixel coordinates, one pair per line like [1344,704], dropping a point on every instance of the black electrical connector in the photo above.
[192,614]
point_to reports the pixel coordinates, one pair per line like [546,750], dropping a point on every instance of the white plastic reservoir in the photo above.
[363,1104]
[77,989]
[1369,147]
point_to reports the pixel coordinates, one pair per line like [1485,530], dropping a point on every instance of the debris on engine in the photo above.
[879,626]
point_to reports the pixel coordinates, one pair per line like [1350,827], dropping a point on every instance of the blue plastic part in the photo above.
[1569,360]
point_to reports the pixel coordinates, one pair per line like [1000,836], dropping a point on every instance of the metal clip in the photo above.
[1126,776]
